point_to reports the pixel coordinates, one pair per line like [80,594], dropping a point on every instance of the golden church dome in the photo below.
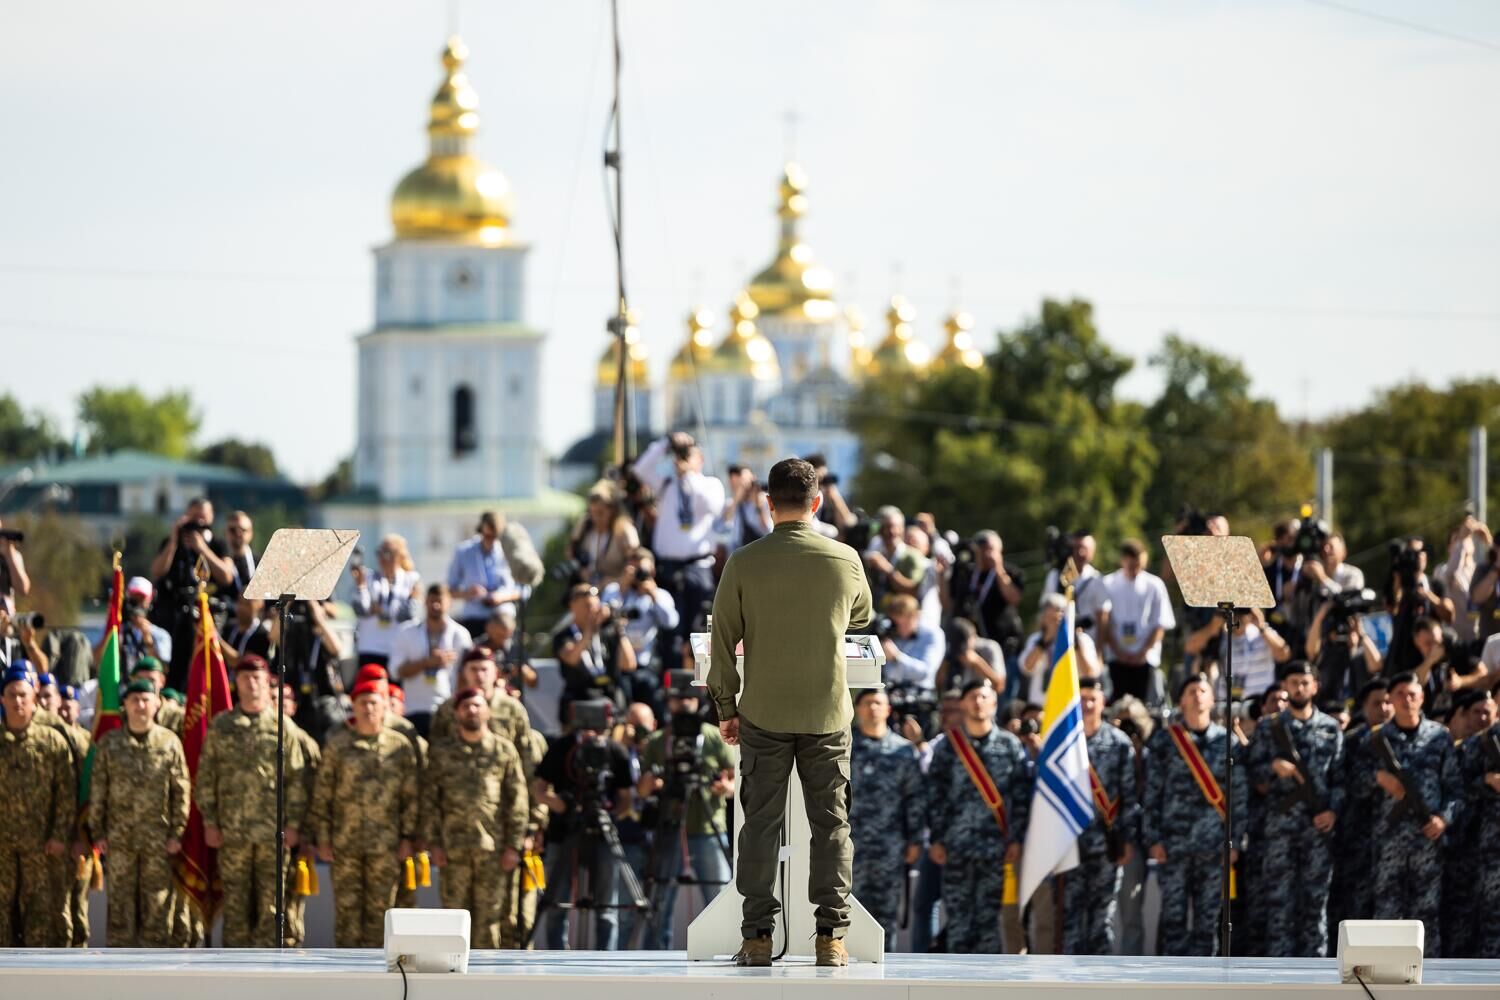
[745,351]
[900,352]
[454,195]
[860,354]
[696,351]
[959,351]
[792,285]
[635,352]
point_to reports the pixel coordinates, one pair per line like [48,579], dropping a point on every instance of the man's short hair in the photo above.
[1425,624]
[1296,666]
[961,631]
[975,685]
[889,511]
[792,485]
[1371,686]
[816,460]
[1089,684]
[1133,547]
[489,519]
[437,590]
[504,613]
[986,536]
[864,693]
[582,590]
[1186,682]
[1405,677]
[902,604]
[736,468]
[1057,601]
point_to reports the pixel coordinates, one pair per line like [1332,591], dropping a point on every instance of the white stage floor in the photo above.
[353,974]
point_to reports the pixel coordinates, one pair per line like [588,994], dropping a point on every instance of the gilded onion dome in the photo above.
[745,351]
[959,351]
[860,354]
[695,352]
[900,352]
[454,195]
[793,286]
[635,353]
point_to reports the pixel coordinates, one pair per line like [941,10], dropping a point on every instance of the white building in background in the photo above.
[780,378]
[449,411]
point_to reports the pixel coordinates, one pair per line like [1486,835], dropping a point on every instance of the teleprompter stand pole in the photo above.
[284,604]
[1226,924]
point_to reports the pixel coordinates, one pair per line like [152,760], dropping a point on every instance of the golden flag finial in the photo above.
[1066,577]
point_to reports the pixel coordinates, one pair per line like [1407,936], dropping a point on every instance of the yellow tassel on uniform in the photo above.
[84,868]
[424,870]
[1234,883]
[533,873]
[410,881]
[303,883]
[312,879]
[96,880]
[1010,893]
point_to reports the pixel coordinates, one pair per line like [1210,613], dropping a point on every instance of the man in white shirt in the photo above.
[1090,601]
[1140,614]
[481,575]
[425,658]
[688,506]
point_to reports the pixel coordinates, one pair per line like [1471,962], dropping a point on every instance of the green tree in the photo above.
[25,435]
[117,419]
[339,482]
[250,456]
[66,565]
[1223,450]
[1035,437]
[1400,464]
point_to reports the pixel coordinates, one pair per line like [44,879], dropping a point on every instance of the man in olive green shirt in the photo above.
[791,596]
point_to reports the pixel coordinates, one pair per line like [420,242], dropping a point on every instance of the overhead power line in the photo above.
[1401,22]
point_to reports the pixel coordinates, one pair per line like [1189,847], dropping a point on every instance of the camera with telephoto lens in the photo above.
[1312,534]
[1059,547]
[1406,563]
[909,701]
[1347,603]
[13,536]
[589,764]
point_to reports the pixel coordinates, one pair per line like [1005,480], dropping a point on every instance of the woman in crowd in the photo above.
[605,537]
[383,600]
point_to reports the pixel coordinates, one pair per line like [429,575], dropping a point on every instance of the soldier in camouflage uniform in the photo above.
[1463,867]
[887,811]
[36,816]
[1185,833]
[312,756]
[236,794]
[966,837]
[138,810]
[396,721]
[508,716]
[1353,893]
[364,814]
[475,811]
[1408,864]
[82,854]
[170,715]
[529,893]
[1090,892]
[1303,806]
[1481,773]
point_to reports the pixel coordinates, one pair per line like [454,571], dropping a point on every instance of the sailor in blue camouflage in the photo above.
[1408,856]
[1481,776]
[1182,831]
[1296,868]
[966,838]
[1353,894]
[1090,891]
[887,811]
[1472,712]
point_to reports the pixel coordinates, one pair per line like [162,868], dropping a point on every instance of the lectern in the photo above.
[716,931]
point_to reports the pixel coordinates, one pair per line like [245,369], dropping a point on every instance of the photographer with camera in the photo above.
[1036,655]
[987,590]
[834,516]
[970,658]
[174,568]
[19,640]
[13,579]
[1258,648]
[746,516]
[481,574]
[1345,656]
[584,781]
[646,609]
[689,771]
[595,654]
[913,651]
[1090,602]
[688,506]
[1409,597]
[312,658]
[139,634]
[511,658]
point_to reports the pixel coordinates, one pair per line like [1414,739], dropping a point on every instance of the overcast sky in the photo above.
[191,190]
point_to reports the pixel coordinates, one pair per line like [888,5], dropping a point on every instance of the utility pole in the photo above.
[1479,473]
[1325,484]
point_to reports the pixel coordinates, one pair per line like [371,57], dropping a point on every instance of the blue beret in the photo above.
[46,681]
[17,671]
[69,692]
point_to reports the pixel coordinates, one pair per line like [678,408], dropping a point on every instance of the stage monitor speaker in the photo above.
[1381,951]
[427,940]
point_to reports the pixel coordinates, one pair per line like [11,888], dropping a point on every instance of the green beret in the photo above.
[146,663]
[141,686]
[172,694]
